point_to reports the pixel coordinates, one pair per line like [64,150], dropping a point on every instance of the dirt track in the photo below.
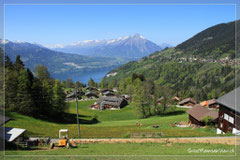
[210,140]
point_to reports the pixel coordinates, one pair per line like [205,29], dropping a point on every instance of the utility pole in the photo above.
[76,91]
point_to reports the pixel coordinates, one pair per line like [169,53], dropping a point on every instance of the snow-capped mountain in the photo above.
[128,46]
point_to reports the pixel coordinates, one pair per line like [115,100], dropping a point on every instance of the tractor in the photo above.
[63,139]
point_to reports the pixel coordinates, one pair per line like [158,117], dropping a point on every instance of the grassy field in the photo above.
[109,124]
[134,149]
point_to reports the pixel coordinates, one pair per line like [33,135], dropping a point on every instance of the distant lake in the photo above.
[84,77]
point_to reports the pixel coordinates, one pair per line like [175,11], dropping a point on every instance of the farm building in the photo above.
[188,102]
[229,112]
[210,103]
[111,103]
[91,94]
[10,134]
[198,112]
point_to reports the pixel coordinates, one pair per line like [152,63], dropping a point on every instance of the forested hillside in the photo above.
[201,67]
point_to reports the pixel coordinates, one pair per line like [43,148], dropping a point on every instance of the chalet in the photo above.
[229,112]
[198,112]
[111,103]
[91,94]
[188,102]
[109,94]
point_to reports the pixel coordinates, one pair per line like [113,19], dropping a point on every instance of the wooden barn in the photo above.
[229,112]
[198,112]
[188,102]
[111,103]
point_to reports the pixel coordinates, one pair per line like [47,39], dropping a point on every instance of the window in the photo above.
[231,119]
[225,116]
[228,118]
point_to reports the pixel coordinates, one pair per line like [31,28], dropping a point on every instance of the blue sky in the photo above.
[66,24]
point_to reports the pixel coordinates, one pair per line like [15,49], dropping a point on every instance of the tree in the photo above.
[42,72]
[18,64]
[91,83]
[102,84]
[24,98]
[59,104]
[139,98]
[69,83]
[78,84]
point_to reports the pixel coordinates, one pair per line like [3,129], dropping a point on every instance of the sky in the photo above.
[65,24]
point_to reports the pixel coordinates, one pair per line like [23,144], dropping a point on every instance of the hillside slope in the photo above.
[193,68]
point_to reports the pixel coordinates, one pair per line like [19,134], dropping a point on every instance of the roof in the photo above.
[114,101]
[63,130]
[13,133]
[109,93]
[211,101]
[90,93]
[198,112]
[188,100]
[176,98]
[4,119]
[230,100]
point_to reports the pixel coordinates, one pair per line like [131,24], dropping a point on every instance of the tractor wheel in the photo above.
[52,145]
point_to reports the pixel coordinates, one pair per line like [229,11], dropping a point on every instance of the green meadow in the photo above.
[108,123]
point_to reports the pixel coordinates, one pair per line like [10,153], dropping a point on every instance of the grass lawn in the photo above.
[134,149]
[111,124]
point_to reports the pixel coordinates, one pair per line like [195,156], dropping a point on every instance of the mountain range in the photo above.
[135,46]
[58,63]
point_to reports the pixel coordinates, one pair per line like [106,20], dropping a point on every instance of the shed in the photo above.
[11,134]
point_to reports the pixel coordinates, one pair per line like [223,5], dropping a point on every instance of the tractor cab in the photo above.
[63,138]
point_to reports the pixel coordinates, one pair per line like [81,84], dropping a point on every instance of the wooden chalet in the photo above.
[111,103]
[91,94]
[198,112]
[188,102]
[229,112]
